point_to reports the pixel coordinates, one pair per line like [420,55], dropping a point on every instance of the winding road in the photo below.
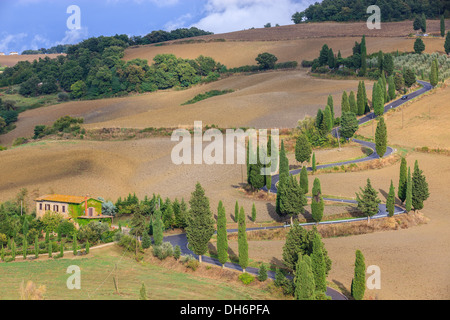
[181,239]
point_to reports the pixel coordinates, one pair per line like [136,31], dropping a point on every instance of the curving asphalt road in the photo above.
[181,240]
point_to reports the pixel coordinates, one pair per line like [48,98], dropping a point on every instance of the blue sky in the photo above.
[34,24]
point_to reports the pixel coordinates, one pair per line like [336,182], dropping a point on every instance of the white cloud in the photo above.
[74,36]
[9,40]
[178,23]
[223,16]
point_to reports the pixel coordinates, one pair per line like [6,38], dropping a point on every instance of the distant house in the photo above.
[2,53]
[13,53]
[80,210]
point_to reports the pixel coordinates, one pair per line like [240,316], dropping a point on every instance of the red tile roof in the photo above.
[62,198]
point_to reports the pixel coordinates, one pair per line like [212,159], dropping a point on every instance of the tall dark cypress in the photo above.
[222,241]
[200,222]
[403,181]
[242,241]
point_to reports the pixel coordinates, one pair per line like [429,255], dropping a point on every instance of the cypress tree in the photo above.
[222,240]
[75,245]
[349,125]
[352,102]
[268,182]
[236,212]
[361,103]
[36,247]
[242,241]
[318,265]
[377,99]
[381,138]
[319,119]
[331,59]
[303,148]
[331,104]
[50,249]
[391,87]
[366,100]
[327,121]
[254,213]
[200,222]
[368,201]
[345,104]
[314,167]
[304,280]
[403,181]
[363,56]
[304,180]
[317,203]
[408,201]
[390,203]
[87,246]
[143,293]
[146,240]
[420,191]
[292,198]
[284,161]
[358,287]
[424,23]
[442,26]
[24,248]
[158,227]
[256,179]
[323,56]
[380,60]
[434,77]
[262,273]
[447,43]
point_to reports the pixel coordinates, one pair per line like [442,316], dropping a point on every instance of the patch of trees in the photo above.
[355,10]
[162,36]
[94,69]
[330,62]
[61,48]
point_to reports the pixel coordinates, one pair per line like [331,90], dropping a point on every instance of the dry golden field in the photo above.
[9,61]
[414,262]
[267,100]
[422,123]
[326,30]
[239,53]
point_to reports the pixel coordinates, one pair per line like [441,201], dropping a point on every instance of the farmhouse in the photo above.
[13,53]
[80,210]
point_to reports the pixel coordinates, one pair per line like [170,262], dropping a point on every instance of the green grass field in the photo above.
[97,281]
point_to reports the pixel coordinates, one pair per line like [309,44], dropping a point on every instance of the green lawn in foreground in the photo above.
[97,282]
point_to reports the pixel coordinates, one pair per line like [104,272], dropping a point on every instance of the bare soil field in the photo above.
[326,30]
[265,100]
[9,61]
[239,53]
[425,122]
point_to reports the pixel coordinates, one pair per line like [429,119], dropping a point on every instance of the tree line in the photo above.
[355,10]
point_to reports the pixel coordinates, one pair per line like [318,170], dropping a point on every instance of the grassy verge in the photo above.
[167,280]
[207,95]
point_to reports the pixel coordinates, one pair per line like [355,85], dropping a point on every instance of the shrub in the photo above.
[177,252]
[128,243]
[190,262]
[246,278]
[62,96]
[163,251]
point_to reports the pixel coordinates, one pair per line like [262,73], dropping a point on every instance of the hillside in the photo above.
[10,61]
